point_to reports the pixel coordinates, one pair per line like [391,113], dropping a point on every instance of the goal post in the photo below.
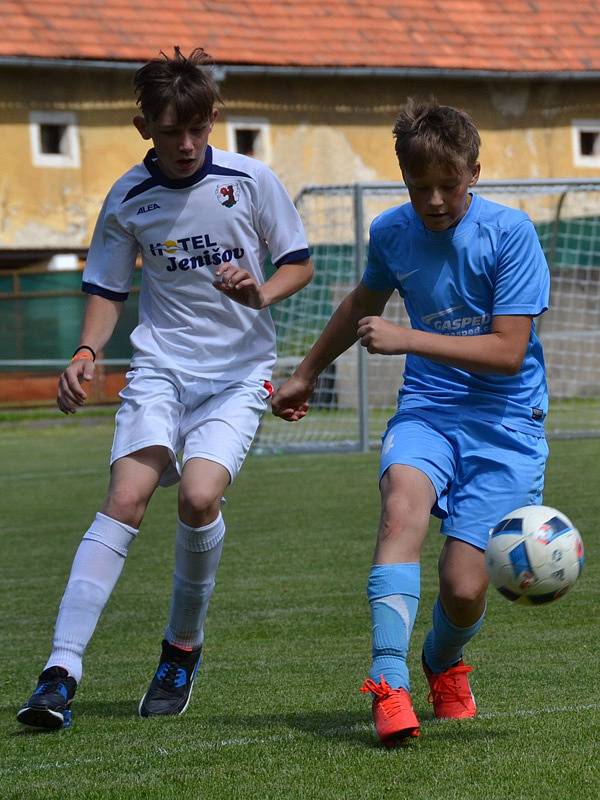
[357,394]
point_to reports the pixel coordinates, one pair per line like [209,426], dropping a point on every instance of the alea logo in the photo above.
[149,207]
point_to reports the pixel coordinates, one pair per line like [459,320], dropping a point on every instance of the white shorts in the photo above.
[190,416]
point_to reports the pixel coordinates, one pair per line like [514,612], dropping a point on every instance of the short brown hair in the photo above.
[185,83]
[427,132]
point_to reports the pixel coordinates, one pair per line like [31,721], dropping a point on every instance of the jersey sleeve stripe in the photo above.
[108,294]
[214,169]
[142,187]
[293,257]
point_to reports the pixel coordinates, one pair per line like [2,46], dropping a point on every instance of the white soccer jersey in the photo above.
[232,211]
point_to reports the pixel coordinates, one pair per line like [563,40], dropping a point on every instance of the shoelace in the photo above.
[49,687]
[381,689]
[167,678]
[395,700]
[447,685]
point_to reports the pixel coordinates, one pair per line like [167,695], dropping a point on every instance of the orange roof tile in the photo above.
[514,36]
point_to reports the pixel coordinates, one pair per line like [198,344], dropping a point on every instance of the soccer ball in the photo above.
[534,555]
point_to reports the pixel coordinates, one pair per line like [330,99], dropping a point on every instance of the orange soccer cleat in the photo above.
[393,713]
[450,693]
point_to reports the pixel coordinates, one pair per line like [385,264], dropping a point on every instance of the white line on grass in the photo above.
[36,476]
[80,762]
[248,740]
[534,712]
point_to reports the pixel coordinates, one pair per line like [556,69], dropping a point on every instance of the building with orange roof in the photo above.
[310,87]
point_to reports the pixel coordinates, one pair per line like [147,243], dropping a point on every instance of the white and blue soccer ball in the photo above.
[534,555]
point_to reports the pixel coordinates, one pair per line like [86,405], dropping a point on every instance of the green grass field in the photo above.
[276,712]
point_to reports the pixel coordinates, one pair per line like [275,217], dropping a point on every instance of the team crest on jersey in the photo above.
[228,194]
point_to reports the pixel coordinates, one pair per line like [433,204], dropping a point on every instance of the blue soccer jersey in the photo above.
[453,282]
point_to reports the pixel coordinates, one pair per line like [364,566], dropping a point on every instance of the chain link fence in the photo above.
[357,395]
[40,315]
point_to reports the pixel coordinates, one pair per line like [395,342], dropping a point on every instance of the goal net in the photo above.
[357,394]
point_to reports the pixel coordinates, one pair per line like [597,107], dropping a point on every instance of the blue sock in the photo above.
[393,591]
[445,641]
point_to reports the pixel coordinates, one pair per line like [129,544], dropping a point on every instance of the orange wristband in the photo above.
[90,354]
[82,355]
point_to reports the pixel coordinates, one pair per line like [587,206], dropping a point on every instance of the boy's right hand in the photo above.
[290,401]
[70,395]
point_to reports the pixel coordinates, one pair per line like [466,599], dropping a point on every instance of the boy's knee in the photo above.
[126,504]
[464,594]
[400,521]
[198,505]
[393,529]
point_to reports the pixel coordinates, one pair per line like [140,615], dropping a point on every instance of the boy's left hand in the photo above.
[239,285]
[379,335]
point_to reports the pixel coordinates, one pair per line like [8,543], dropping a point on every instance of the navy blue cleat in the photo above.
[49,704]
[170,691]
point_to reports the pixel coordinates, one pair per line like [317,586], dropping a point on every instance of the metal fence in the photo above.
[40,316]
[357,394]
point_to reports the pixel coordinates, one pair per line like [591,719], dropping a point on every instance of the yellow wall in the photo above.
[54,206]
[322,130]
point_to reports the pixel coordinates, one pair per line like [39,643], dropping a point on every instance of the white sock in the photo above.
[197,555]
[96,568]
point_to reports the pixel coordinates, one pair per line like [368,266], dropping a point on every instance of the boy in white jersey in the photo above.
[203,222]
[467,442]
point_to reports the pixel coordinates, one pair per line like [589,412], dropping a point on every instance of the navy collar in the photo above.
[151,164]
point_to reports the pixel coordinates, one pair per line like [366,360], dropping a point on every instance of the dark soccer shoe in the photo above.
[170,691]
[52,697]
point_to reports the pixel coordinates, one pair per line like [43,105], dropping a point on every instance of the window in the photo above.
[247,141]
[586,142]
[250,137]
[54,139]
[61,262]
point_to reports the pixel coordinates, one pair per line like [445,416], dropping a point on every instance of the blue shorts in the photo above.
[480,469]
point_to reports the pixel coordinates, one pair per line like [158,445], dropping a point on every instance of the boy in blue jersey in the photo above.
[467,441]
[202,221]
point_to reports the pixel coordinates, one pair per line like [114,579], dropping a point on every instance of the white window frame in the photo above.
[69,159]
[260,124]
[579,126]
